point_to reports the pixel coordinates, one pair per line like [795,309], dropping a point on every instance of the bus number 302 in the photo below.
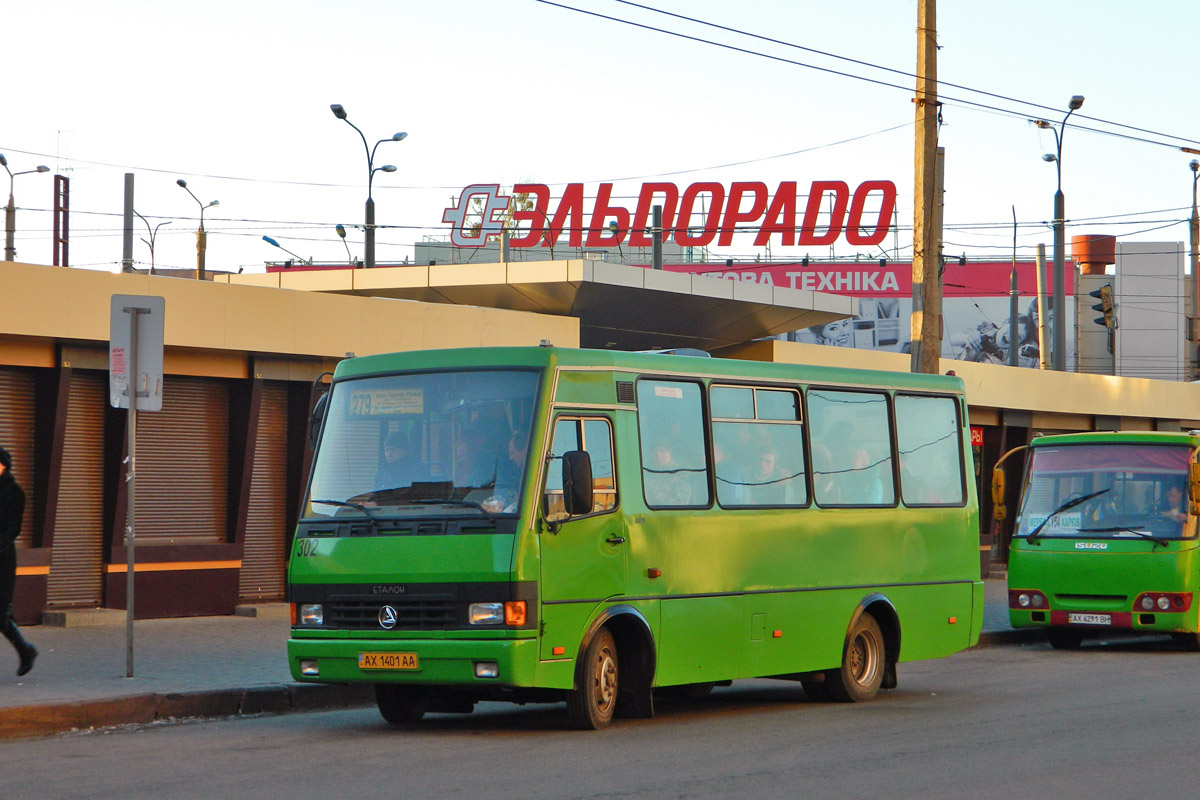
[306,547]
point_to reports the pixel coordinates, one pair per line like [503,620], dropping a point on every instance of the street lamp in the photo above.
[341,232]
[369,233]
[306,262]
[1059,350]
[152,233]
[201,236]
[10,210]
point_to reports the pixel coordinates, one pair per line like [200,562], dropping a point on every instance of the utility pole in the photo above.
[926,319]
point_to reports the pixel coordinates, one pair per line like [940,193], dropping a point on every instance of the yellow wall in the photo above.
[41,305]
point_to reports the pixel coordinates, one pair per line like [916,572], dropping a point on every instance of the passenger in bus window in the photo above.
[473,467]
[1172,507]
[867,486]
[730,483]
[508,476]
[767,485]
[401,467]
[666,483]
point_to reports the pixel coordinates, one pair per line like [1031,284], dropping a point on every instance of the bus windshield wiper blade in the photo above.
[347,504]
[1134,531]
[431,501]
[1033,534]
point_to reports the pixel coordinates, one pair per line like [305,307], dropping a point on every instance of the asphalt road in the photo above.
[1110,721]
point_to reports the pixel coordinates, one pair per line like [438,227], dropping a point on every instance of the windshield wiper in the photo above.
[1134,531]
[347,504]
[430,501]
[1033,534]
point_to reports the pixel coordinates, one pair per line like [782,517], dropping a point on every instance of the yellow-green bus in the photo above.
[1106,539]
[545,524]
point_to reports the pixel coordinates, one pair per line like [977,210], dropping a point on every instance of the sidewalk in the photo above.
[206,667]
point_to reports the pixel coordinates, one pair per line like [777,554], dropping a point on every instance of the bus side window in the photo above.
[852,452]
[593,435]
[930,444]
[671,427]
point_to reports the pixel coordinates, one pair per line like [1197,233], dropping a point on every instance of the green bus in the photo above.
[1105,539]
[545,524]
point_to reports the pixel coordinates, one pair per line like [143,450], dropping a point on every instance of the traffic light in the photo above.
[1104,295]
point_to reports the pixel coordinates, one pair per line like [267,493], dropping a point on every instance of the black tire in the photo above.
[864,659]
[1064,638]
[401,705]
[594,699]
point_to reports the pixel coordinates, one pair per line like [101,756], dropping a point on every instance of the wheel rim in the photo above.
[863,658]
[605,681]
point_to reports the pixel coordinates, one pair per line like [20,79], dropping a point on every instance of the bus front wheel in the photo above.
[401,704]
[592,702]
[863,662]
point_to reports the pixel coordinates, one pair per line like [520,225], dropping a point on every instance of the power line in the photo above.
[863,78]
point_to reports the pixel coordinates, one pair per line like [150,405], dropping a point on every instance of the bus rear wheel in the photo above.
[401,704]
[1064,638]
[592,702]
[863,662]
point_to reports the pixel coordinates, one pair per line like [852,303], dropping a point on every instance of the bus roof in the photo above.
[1190,438]
[563,357]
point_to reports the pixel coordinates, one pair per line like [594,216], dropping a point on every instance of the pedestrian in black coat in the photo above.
[12,509]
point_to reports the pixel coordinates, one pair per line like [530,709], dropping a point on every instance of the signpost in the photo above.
[135,369]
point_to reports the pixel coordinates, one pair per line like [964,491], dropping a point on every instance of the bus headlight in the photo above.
[486,613]
[1147,602]
[1023,599]
[487,669]
[1163,603]
[312,614]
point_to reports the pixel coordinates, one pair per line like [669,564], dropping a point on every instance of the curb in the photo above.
[142,709]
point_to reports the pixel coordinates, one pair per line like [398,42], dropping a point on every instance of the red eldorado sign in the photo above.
[694,217]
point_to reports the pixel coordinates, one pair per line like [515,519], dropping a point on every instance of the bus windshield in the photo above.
[1107,491]
[418,444]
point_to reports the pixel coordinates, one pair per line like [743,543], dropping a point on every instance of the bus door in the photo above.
[584,558]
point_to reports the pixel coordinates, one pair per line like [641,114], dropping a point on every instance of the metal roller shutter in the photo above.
[17,401]
[77,564]
[262,576]
[182,458]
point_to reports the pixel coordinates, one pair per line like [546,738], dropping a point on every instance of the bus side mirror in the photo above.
[577,483]
[314,421]
[999,511]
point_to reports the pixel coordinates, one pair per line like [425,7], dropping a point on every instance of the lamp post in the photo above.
[1195,231]
[1059,349]
[369,233]
[10,210]
[201,236]
[152,233]
[341,232]
[307,262]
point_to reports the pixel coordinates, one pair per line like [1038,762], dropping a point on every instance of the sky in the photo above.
[234,97]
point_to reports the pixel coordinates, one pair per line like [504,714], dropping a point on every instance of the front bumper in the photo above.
[441,662]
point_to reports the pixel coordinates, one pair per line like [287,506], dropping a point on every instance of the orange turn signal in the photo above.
[292,607]
[559,651]
[953,620]
[514,612]
[777,634]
